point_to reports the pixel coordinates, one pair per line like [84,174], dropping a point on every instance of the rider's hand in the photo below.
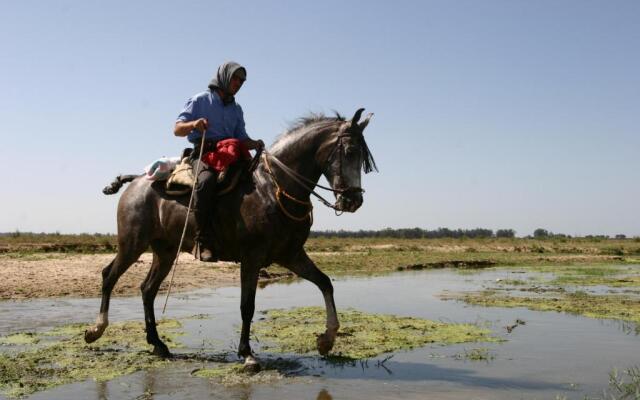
[201,125]
[259,144]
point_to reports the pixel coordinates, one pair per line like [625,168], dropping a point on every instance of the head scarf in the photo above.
[222,80]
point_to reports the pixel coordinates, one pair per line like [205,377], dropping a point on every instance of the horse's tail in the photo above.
[120,180]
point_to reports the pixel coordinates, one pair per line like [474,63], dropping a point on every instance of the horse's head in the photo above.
[348,155]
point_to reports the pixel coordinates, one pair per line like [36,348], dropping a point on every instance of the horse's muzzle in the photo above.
[349,201]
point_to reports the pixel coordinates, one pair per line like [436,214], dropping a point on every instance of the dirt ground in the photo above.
[79,275]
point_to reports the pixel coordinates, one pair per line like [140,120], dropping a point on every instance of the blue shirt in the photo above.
[225,122]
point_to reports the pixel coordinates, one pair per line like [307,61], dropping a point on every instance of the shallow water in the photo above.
[553,354]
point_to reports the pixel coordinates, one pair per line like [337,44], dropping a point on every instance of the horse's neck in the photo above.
[298,152]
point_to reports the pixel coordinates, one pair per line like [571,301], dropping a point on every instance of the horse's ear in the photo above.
[356,117]
[364,123]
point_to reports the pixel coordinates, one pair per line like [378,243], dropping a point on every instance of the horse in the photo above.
[264,220]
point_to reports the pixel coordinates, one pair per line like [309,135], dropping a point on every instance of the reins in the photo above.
[306,184]
[186,223]
[279,191]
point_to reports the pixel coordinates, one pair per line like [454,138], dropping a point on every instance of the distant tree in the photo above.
[505,233]
[621,236]
[540,233]
[410,233]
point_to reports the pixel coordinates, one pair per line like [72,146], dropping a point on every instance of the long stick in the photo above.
[186,222]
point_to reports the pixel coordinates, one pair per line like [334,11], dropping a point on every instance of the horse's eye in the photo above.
[351,152]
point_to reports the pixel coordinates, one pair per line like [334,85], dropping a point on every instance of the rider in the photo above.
[216,114]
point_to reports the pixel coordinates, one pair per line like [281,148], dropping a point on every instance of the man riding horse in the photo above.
[215,114]
[265,220]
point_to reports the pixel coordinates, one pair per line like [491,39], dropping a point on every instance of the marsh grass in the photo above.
[20,339]
[591,275]
[60,356]
[476,354]
[361,335]
[617,307]
[375,254]
[272,371]
[622,386]
[625,385]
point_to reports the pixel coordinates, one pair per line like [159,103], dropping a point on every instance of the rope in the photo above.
[186,223]
[280,191]
[298,178]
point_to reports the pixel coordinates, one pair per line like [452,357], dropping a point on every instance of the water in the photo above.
[554,354]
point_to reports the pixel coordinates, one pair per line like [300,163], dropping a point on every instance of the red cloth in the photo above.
[227,152]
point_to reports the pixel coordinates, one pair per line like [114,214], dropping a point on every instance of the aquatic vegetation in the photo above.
[62,356]
[230,374]
[512,282]
[477,354]
[19,339]
[587,280]
[625,387]
[594,306]
[622,386]
[583,275]
[234,374]
[361,335]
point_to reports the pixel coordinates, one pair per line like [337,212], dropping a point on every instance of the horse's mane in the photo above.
[312,118]
[306,121]
[304,124]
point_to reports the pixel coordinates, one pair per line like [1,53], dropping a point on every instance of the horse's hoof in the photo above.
[91,335]
[324,343]
[162,351]
[251,365]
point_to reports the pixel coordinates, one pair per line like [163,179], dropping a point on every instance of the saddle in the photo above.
[182,179]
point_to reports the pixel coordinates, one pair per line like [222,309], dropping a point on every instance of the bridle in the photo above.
[308,184]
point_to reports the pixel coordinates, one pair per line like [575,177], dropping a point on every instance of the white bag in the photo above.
[160,169]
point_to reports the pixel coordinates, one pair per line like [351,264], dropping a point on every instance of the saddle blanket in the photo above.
[160,169]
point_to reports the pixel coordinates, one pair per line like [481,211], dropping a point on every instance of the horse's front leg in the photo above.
[249,283]
[163,257]
[304,267]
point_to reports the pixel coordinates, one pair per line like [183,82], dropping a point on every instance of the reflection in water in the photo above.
[149,386]
[240,392]
[324,395]
[101,390]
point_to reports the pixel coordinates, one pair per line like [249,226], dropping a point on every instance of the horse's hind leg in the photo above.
[163,257]
[110,275]
[304,267]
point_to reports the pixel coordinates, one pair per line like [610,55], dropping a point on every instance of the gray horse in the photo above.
[264,220]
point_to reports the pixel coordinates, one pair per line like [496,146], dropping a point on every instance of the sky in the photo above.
[492,114]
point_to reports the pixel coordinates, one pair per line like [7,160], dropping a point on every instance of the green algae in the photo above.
[477,354]
[230,374]
[625,385]
[587,280]
[361,335]
[617,307]
[63,357]
[582,275]
[19,339]
[219,371]
[512,282]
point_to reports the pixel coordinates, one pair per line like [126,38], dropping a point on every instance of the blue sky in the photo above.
[495,114]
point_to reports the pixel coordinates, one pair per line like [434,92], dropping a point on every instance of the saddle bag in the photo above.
[181,180]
